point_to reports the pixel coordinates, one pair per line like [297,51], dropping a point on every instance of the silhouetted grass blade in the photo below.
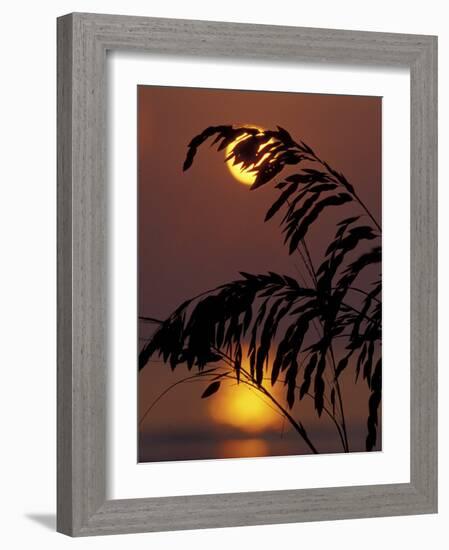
[281,201]
[304,224]
[319,385]
[210,390]
[374,401]
[290,379]
[308,371]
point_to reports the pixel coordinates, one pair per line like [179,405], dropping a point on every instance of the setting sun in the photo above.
[243,407]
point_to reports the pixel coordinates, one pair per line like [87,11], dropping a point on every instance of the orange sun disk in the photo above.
[243,407]
[244,175]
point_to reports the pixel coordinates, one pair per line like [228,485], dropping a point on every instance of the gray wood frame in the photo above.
[83,40]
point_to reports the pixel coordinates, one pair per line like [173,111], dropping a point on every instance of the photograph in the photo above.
[259,273]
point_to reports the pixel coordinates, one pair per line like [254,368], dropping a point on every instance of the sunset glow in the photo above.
[243,407]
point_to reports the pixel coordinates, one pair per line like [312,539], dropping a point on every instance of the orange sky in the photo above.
[198,229]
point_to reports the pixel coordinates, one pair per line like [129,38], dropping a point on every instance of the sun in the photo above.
[243,407]
[246,176]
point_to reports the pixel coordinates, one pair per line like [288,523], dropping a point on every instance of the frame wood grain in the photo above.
[83,40]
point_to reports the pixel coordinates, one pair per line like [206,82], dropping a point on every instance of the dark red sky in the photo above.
[198,229]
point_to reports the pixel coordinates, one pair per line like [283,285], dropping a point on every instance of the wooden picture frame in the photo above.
[83,40]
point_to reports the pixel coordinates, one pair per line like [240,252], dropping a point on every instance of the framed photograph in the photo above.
[247,286]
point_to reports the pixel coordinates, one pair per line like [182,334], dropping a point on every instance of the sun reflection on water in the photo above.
[243,448]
